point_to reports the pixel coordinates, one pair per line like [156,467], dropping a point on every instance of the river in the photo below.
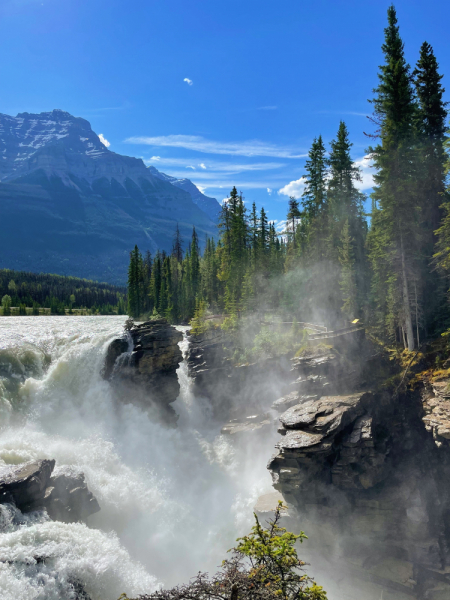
[172,500]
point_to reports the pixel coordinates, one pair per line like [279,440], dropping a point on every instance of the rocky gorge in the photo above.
[361,459]
[362,464]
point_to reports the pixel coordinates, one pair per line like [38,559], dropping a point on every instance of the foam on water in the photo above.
[172,500]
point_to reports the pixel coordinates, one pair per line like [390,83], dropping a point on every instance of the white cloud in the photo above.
[103,140]
[190,167]
[213,165]
[188,81]
[200,144]
[269,191]
[367,173]
[294,188]
[153,158]
[202,188]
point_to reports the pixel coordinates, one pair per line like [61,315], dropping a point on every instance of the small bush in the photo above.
[264,566]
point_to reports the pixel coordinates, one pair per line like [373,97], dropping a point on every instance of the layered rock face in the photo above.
[33,487]
[369,474]
[142,366]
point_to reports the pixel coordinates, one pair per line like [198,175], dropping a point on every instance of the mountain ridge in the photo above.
[69,205]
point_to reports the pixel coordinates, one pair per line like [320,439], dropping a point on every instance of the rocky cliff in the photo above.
[142,366]
[368,471]
[234,391]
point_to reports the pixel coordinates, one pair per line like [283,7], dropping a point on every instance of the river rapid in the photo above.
[172,500]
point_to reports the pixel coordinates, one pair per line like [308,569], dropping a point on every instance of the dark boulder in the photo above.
[26,485]
[66,497]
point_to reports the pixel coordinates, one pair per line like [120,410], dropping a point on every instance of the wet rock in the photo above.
[368,473]
[292,399]
[146,375]
[26,485]
[436,404]
[247,425]
[68,498]
[32,487]
[115,349]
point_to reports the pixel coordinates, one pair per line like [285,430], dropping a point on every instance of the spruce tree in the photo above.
[177,249]
[432,116]
[346,211]
[431,119]
[135,284]
[292,216]
[396,225]
[314,200]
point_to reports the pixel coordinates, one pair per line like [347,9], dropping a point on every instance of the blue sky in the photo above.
[223,92]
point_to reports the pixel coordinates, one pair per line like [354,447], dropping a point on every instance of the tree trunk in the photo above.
[406,305]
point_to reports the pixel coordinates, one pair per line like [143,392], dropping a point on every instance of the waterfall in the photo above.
[172,500]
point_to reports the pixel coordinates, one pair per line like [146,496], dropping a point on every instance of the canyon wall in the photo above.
[367,470]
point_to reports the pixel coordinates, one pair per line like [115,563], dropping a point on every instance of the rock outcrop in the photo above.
[142,366]
[368,472]
[66,497]
[234,391]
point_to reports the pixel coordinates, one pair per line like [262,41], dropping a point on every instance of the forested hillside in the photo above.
[57,293]
[333,263]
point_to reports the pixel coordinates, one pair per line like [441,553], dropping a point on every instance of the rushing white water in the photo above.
[172,500]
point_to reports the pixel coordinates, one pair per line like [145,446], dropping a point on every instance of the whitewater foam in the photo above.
[173,500]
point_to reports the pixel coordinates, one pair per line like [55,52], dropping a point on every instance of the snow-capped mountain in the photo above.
[208,205]
[69,205]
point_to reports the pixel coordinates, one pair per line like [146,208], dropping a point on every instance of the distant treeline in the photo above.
[58,293]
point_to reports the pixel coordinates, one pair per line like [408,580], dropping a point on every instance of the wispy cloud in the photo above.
[188,81]
[294,188]
[103,140]
[227,184]
[342,112]
[269,191]
[200,144]
[216,165]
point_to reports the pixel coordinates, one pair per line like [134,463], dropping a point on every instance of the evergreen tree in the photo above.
[432,116]
[348,277]
[396,225]
[177,250]
[315,204]
[292,216]
[346,211]
[135,285]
